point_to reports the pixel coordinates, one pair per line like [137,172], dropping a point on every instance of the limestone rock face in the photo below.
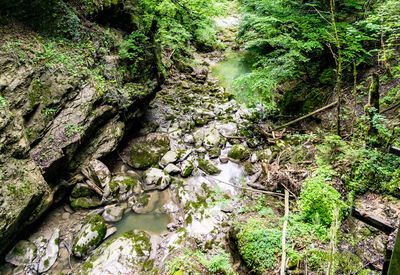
[147,151]
[127,254]
[24,252]
[90,236]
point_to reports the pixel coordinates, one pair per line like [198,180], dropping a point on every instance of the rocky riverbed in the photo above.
[171,186]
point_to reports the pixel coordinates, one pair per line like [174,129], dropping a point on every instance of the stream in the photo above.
[195,113]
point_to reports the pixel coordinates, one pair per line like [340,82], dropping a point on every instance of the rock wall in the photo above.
[55,116]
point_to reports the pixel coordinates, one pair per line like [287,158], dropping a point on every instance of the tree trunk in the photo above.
[372,107]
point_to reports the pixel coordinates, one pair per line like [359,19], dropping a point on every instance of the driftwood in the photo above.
[371,220]
[283,260]
[306,116]
[91,182]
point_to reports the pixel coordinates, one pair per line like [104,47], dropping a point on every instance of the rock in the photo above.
[51,254]
[90,236]
[172,169]
[189,139]
[85,202]
[148,150]
[127,254]
[229,129]
[253,158]
[122,184]
[81,190]
[156,179]
[238,152]
[24,252]
[172,227]
[100,172]
[113,214]
[169,157]
[212,138]
[186,168]
[223,159]
[65,216]
[208,167]
[264,154]
[68,209]
[110,231]
[214,153]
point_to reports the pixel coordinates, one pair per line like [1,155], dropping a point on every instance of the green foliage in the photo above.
[373,170]
[259,245]
[318,199]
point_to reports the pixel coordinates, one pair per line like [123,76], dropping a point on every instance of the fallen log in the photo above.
[371,220]
[306,116]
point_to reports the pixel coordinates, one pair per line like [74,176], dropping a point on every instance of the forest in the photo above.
[199,137]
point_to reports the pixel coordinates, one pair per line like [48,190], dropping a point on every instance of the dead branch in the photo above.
[374,221]
[306,116]
[283,261]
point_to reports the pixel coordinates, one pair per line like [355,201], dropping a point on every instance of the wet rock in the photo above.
[127,254]
[110,231]
[208,167]
[169,157]
[223,159]
[186,168]
[85,202]
[172,169]
[90,236]
[113,214]
[51,254]
[148,150]
[24,252]
[238,152]
[156,179]
[229,129]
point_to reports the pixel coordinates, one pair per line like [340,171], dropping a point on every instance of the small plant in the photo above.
[3,102]
[72,129]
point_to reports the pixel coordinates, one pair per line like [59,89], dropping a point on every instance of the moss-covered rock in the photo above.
[127,254]
[214,153]
[85,202]
[90,236]
[208,167]
[156,179]
[186,168]
[81,190]
[121,184]
[23,252]
[238,152]
[147,151]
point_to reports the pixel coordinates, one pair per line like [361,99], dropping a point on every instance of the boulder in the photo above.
[90,236]
[208,167]
[24,252]
[214,153]
[82,190]
[186,168]
[51,253]
[169,157]
[172,169]
[147,151]
[239,152]
[156,179]
[100,172]
[85,202]
[127,254]
[113,214]
[228,129]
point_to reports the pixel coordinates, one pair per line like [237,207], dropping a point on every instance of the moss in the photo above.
[84,202]
[148,265]
[46,263]
[144,199]
[238,152]
[208,167]
[81,190]
[187,171]
[215,152]
[148,153]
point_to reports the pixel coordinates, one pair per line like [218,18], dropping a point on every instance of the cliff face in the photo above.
[63,102]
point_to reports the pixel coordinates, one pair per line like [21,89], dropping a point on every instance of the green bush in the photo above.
[318,200]
[258,245]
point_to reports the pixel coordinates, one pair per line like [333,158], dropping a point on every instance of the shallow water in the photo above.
[153,221]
